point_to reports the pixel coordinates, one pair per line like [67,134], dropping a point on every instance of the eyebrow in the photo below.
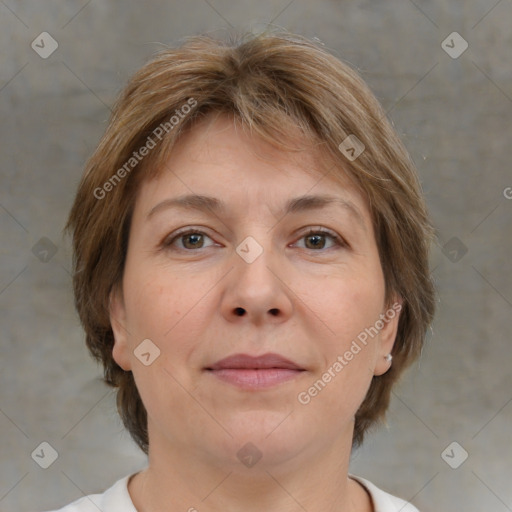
[294,205]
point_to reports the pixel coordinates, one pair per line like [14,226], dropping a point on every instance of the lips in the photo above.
[253,373]
[246,362]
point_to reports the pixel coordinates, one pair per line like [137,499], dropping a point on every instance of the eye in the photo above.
[315,239]
[191,239]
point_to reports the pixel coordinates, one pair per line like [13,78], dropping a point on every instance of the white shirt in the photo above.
[117,499]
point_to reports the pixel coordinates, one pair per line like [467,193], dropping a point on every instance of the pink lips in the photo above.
[250,372]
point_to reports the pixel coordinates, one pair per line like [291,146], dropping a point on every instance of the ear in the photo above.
[387,335]
[117,313]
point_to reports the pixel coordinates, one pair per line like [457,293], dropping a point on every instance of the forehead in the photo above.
[219,135]
[218,156]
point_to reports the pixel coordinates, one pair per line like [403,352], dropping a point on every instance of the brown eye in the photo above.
[316,239]
[192,240]
[189,240]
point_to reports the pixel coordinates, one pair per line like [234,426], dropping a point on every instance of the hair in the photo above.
[271,84]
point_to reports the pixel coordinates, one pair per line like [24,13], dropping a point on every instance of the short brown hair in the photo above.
[268,83]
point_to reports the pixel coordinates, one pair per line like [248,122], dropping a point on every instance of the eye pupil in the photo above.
[194,237]
[319,243]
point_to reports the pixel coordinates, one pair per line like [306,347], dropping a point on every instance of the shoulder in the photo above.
[382,501]
[117,499]
[114,499]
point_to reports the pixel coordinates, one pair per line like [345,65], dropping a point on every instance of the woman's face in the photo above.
[257,272]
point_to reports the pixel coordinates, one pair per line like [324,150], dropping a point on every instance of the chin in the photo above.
[263,440]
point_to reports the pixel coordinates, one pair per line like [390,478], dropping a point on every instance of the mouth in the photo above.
[249,372]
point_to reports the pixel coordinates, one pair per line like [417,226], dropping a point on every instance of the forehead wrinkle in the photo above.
[294,205]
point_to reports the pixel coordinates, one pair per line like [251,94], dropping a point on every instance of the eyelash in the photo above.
[167,243]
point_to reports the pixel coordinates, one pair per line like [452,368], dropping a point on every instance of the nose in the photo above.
[257,291]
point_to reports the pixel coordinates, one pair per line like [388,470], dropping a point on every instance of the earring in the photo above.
[389,358]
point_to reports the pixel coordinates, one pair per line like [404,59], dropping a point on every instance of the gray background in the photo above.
[454,115]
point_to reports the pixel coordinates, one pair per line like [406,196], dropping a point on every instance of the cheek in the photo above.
[347,307]
[156,301]
[168,310]
[341,383]
[157,310]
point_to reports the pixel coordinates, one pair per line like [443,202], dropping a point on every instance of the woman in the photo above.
[251,268]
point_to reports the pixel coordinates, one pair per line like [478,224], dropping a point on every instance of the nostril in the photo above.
[239,311]
[274,311]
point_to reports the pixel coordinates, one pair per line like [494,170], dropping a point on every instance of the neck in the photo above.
[313,480]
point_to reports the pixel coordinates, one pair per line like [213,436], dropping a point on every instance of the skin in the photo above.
[304,297]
